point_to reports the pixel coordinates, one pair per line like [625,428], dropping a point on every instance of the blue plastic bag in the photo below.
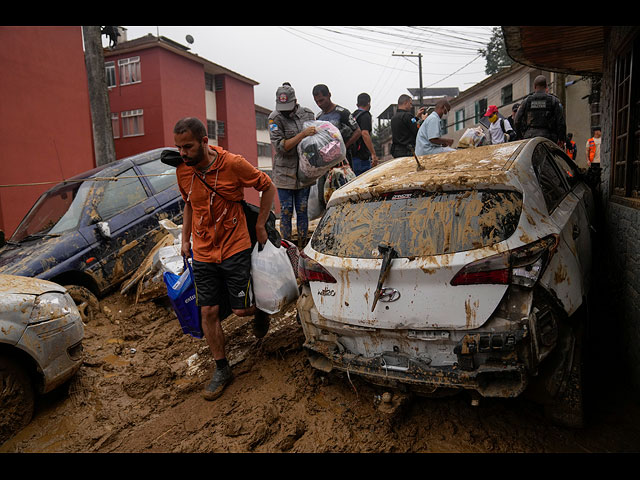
[182,295]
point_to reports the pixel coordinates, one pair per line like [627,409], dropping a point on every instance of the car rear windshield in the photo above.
[418,223]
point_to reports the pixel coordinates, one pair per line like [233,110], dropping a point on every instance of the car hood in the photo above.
[32,257]
[14,284]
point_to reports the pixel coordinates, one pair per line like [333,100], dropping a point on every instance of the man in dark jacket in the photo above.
[541,115]
[404,127]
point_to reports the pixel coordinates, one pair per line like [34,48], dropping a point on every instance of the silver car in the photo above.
[466,270]
[41,336]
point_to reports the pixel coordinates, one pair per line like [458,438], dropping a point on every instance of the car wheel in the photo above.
[16,398]
[87,302]
[567,405]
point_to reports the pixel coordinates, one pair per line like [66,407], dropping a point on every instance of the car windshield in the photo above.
[55,212]
[418,223]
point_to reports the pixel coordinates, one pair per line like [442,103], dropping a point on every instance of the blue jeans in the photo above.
[290,199]
[360,165]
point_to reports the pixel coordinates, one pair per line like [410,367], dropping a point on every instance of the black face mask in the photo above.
[288,113]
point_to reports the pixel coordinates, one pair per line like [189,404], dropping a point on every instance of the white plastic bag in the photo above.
[274,282]
[472,137]
[314,208]
[319,152]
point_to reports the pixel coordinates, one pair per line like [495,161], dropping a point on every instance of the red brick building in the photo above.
[45,114]
[45,119]
[154,81]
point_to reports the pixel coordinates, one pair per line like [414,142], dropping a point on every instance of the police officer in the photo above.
[404,127]
[541,115]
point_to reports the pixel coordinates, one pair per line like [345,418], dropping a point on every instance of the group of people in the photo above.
[211,181]
[540,115]
[419,134]
[287,129]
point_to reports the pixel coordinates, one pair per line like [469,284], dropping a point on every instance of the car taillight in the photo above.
[311,271]
[521,266]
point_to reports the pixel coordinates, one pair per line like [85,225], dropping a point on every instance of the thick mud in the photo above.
[139,390]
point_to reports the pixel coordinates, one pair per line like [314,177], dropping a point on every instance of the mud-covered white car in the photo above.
[466,271]
[41,336]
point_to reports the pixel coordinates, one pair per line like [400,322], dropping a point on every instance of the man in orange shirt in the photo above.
[215,221]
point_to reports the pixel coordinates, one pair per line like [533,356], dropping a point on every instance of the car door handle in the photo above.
[149,209]
[576,231]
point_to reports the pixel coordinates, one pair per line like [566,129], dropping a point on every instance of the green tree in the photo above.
[495,53]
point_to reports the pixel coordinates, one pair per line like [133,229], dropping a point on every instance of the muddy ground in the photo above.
[139,390]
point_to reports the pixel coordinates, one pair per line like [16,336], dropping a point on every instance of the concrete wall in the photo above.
[578,114]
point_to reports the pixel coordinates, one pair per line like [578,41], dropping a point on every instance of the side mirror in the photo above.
[103,228]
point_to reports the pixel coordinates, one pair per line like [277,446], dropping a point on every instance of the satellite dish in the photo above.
[189,39]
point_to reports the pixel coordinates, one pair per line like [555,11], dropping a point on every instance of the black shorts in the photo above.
[231,278]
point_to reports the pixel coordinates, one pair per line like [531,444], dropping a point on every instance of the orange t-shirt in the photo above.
[218,225]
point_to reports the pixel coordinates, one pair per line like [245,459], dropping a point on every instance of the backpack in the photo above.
[357,147]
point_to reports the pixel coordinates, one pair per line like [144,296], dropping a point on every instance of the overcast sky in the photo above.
[348,59]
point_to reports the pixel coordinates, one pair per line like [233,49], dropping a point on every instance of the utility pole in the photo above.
[104,148]
[419,55]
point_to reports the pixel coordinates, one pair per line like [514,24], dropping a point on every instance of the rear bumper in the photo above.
[408,373]
[490,362]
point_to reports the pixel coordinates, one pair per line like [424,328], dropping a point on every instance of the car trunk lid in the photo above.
[393,257]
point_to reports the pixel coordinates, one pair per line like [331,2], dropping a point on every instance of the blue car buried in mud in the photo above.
[91,232]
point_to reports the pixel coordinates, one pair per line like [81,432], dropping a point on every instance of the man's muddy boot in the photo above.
[261,322]
[221,378]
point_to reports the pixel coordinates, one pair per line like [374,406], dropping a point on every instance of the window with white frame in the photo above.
[459,119]
[262,122]
[264,149]
[212,131]
[132,123]
[129,70]
[480,107]
[209,83]
[110,71]
[506,94]
[115,125]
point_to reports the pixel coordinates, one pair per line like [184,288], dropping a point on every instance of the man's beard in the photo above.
[193,161]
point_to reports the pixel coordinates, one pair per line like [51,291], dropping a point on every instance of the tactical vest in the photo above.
[540,119]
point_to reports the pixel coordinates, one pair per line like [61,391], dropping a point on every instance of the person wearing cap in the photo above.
[500,130]
[286,131]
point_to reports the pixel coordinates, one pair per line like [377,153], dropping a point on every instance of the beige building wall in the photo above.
[520,77]
[489,92]
[578,114]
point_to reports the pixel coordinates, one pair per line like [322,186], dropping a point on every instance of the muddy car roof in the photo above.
[463,168]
